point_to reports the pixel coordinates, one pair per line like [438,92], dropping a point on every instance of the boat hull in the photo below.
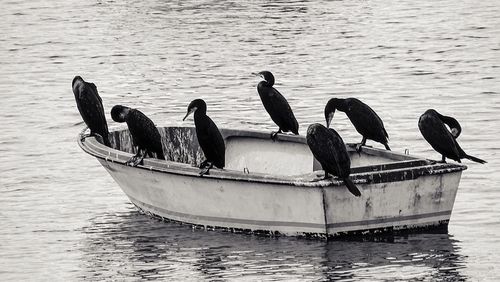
[290,210]
[252,194]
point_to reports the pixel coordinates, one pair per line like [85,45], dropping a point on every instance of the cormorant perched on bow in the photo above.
[276,105]
[329,149]
[209,136]
[144,133]
[364,119]
[432,126]
[89,105]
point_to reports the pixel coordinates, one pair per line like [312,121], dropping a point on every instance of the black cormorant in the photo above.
[364,119]
[144,133]
[328,148]
[276,105]
[209,136]
[89,105]
[432,126]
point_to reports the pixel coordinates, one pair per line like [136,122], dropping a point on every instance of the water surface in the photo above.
[63,217]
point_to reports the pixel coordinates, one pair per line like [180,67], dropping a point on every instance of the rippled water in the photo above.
[62,217]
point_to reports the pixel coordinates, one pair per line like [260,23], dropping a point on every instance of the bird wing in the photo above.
[143,131]
[279,109]
[330,151]
[366,121]
[211,142]
[91,109]
[94,88]
[438,136]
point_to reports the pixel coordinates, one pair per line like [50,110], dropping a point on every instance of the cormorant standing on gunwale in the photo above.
[276,105]
[144,133]
[209,136]
[329,149]
[89,104]
[364,119]
[432,126]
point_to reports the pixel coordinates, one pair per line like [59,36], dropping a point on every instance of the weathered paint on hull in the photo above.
[223,203]
[267,186]
[289,210]
[418,202]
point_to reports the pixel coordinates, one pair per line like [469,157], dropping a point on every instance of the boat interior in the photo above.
[254,152]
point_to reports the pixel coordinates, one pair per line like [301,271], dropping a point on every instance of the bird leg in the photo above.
[317,176]
[204,164]
[137,159]
[326,175]
[275,134]
[443,160]
[206,169]
[358,146]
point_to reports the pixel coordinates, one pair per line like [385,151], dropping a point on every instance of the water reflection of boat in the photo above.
[129,245]
[267,186]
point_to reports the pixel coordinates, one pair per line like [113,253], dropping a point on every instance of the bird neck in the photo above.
[340,105]
[269,82]
[200,112]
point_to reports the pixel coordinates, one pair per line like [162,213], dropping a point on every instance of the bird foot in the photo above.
[83,136]
[274,135]
[134,161]
[327,176]
[204,164]
[205,171]
[320,175]
[359,148]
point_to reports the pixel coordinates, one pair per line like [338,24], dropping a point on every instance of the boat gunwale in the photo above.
[96,149]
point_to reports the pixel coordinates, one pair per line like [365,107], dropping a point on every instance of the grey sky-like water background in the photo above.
[63,217]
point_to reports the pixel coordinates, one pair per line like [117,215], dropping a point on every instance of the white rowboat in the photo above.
[272,187]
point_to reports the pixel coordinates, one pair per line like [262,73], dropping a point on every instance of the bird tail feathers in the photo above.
[474,159]
[352,188]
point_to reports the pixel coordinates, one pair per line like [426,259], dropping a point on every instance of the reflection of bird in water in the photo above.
[144,133]
[329,149]
[364,119]
[209,136]
[89,105]
[276,105]
[432,126]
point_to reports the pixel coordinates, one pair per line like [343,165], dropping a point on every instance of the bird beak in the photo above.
[192,110]
[124,113]
[258,74]
[329,119]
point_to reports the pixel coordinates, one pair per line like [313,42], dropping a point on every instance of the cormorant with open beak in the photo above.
[144,133]
[89,104]
[364,119]
[209,137]
[432,126]
[276,105]
[329,149]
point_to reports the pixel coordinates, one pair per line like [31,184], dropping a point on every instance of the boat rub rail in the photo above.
[390,172]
